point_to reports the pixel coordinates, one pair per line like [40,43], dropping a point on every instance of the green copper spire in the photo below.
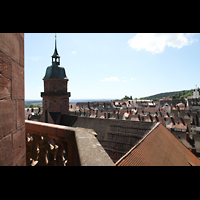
[55,70]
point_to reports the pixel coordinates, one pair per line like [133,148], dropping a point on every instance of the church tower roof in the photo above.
[55,70]
[55,54]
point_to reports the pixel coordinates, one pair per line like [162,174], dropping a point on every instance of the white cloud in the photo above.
[74,52]
[133,79]
[156,42]
[35,58]
[111,79]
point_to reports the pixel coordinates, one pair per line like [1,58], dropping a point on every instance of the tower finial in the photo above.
[55,54]
[55,42]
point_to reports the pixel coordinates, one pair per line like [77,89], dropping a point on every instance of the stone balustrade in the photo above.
[55,145]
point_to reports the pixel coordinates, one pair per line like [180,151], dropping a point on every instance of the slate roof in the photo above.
[54,115]
[55,71]
[192,144]
[159,148]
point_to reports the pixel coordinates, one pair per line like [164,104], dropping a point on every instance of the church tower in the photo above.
[55,95]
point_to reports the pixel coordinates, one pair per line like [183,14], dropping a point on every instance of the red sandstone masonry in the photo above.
[5,77]
[6,151]
[19,144]
[21,48]
[17,81]
[5,88]
[9,44]
[5,66]
[58,84]
[12,123]
[20,113]
[7,117]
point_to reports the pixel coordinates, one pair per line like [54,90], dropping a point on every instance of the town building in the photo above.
[55,95]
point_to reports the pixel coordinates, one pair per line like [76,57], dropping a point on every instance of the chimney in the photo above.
[157,119]
[97,113]
[150,117]
[172,120]
[193,150]
[187,136]
[182,121]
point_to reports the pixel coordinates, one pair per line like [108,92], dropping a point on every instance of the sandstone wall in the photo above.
[12,124]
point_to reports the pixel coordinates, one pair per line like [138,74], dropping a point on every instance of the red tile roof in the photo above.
[159,148]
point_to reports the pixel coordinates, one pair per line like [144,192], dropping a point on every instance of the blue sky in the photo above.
[112,65]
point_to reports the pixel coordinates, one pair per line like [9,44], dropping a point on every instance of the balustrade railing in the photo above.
[55,145]
[50,145]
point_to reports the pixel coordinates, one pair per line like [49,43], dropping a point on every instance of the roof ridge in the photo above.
[125,155]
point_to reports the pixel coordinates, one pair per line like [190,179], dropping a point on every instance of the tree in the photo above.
[38,106]
[127,98]
[172,96]
[156,99]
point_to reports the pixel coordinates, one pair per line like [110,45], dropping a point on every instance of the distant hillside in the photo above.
[33,102]
[175,94]
[71,101]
